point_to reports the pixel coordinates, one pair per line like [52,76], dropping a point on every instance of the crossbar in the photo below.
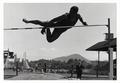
[54,27]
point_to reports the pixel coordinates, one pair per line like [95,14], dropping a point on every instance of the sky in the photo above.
[73,41]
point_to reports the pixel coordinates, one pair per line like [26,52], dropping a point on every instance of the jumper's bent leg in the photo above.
[48,35]
[52,36]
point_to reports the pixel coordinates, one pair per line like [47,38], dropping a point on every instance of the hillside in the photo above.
[72,56]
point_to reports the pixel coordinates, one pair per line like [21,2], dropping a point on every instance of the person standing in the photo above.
[79,70]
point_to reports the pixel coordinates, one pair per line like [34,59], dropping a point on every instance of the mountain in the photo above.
[72,56]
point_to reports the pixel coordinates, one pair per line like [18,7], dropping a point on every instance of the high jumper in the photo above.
[67,19]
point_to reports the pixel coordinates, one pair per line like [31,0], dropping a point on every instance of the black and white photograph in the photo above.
[60,41]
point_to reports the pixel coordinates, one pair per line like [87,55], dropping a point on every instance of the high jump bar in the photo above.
[54,27]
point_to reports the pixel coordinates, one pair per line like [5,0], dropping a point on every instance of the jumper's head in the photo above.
[74,9]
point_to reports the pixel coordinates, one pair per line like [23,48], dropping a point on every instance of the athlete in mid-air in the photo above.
[67,19]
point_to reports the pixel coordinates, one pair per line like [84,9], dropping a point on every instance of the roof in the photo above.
[103,46]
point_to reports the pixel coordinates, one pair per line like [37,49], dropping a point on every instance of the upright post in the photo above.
[109,43]
[16,64]
[98,64]
[111,64]
[17,68]
[110,55]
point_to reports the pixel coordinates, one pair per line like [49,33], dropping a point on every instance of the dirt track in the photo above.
[52,76]
[37,76]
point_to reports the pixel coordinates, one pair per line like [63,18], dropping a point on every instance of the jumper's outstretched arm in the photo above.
[80,18]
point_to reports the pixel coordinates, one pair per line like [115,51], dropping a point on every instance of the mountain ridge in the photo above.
[72,56]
